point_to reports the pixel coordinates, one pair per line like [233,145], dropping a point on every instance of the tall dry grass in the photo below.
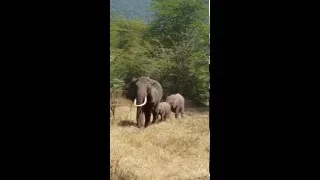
[174,149]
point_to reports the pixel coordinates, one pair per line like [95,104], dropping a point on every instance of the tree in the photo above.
[181,30]
[130,57]
[173,49]
[175,17]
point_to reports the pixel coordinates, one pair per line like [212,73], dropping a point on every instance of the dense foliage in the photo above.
[172,49]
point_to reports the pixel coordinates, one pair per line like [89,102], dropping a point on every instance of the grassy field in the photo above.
[174,149]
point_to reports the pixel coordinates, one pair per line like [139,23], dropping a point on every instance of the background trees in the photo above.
[172,48]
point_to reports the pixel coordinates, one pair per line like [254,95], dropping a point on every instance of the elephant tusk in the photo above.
[135,102]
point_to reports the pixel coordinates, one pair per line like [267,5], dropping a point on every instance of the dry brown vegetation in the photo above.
[174,149]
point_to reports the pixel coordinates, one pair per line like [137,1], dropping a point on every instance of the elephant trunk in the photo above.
[139,102]
[140,116]
[141,97]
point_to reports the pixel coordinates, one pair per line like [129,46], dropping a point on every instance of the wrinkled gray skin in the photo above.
[138,90]
[176,102]
[164,110]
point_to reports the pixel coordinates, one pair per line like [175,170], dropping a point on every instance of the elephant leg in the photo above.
[147,120]
[182,113]
[155,117]
[177,113]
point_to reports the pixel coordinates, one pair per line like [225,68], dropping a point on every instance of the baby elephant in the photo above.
[176,102]
[164,110]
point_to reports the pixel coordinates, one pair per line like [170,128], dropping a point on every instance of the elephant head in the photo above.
[146,93]
[172,100]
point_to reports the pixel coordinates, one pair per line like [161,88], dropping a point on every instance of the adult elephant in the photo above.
[176,102]
[146,94]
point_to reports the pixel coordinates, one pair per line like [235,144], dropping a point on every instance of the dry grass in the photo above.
[175,149]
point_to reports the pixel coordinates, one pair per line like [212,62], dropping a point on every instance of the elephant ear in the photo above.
[131,90]
[154,92]
[169,100]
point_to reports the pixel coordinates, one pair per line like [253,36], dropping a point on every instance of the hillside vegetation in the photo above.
[172,49]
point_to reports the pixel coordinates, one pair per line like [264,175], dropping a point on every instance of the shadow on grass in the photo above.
[126,123]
